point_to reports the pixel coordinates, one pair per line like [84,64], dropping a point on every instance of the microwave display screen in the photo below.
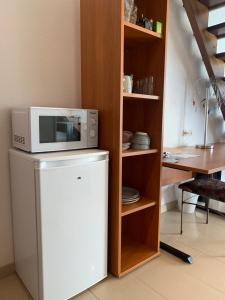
[58,129]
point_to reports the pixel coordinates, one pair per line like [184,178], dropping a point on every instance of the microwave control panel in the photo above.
[92,128]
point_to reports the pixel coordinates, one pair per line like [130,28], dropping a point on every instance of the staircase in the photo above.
[207,39]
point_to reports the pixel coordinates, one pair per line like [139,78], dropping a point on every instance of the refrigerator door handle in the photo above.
[69,163]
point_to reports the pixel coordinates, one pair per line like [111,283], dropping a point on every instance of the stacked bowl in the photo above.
[127,137]
[141,141]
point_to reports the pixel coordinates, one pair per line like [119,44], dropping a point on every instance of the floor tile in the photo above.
[166,277]
[12,289]
[127,288]
[85,296]
[210,271]
[170,277]
[208,239]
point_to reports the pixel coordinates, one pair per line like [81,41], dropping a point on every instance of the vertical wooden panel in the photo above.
[101,44]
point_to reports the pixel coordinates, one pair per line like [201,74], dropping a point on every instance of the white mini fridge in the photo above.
[60,220]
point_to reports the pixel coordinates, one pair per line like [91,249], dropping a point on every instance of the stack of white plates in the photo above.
[129,195]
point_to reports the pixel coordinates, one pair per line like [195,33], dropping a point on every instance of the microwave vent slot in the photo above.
[19,139]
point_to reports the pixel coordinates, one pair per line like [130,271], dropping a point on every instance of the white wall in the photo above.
[40,65]
[185,85]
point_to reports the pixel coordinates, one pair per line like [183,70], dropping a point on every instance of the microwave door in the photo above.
[47,129]
[59,132]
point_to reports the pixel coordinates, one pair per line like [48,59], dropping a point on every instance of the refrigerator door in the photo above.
[73,217]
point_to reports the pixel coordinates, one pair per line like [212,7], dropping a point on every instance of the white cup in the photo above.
[127,84]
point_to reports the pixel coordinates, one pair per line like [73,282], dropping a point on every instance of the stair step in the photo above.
[221,56]
[218,30]
[213,3]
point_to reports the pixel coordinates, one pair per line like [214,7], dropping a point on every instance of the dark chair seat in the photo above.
[211,188]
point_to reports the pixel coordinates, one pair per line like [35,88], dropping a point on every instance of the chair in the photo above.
[206,187]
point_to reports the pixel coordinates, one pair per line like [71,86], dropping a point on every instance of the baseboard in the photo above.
[7,270]
[168,206]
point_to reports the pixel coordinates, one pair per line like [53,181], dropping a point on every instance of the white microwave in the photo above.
[42,129]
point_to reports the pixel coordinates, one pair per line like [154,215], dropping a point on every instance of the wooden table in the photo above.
[172,176]
[208,161]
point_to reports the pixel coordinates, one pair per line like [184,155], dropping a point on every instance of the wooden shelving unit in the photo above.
[132,96]
[139,34]
[141,204]
[132,152]
[135,255]
[126,48]
[138,240]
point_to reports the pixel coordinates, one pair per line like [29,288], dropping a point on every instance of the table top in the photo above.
[208,161]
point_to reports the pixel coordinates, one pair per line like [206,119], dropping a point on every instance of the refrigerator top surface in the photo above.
[61,155]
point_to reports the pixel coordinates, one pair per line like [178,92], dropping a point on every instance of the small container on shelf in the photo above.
[144,86]
[128,7]
[158,27]
[133,17]
[127,137]
[128,84]
[141,141]
[126,146]
[130,11]
[149,25]
[145,23]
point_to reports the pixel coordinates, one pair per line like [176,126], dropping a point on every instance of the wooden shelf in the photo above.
[138,34]
[134,255]
[133,96]
[131,49]
[133,152]
[143,203]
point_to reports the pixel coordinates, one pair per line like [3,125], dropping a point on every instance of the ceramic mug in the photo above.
[127,83]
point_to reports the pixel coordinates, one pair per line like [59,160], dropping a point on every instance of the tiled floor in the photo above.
[165,277]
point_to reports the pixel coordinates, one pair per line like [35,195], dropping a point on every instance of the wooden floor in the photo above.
[165,277]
